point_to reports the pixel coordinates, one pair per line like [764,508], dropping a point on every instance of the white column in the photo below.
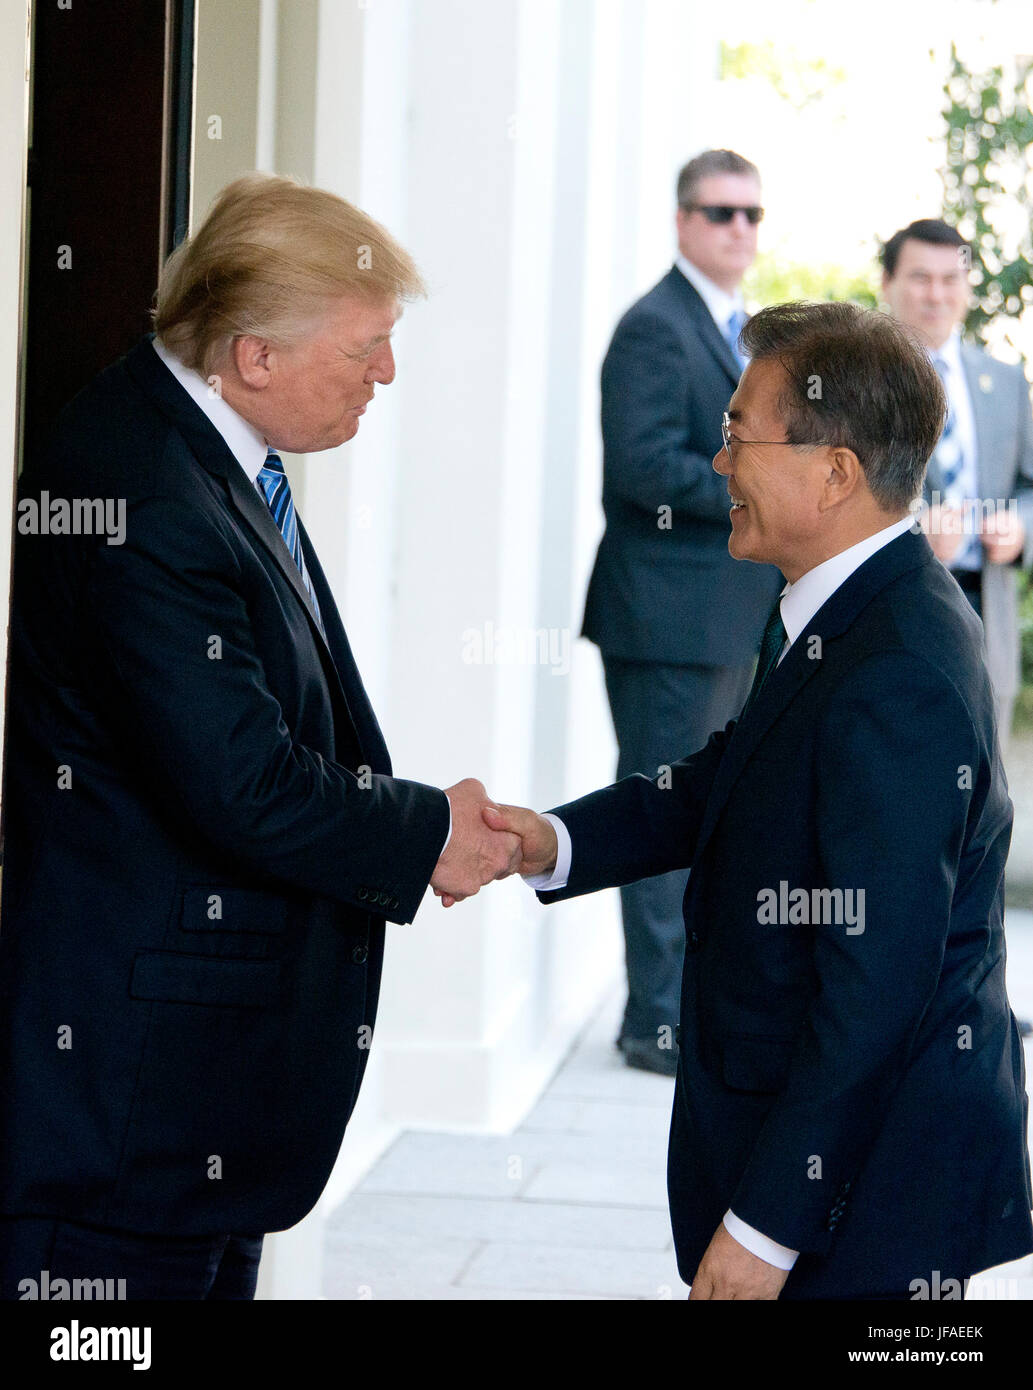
[467,533]
[14,105]
[339,73]
[522,153]
[226,92]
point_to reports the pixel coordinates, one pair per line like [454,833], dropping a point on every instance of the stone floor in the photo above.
[572,1205]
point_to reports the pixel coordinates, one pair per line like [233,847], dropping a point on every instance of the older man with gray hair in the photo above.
[850,1109]
[204,834]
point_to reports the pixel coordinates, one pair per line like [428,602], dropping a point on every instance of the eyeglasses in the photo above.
[726,435]
[720,214]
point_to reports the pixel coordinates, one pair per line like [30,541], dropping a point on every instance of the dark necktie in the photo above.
[949,457]
[276,490]
[771,644]
[948,453]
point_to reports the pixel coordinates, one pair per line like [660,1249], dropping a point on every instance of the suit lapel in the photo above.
[705,326]
[215,456]
[255,511]
[346,672]
[803,661]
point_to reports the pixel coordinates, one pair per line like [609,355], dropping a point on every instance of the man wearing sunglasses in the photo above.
[678,623]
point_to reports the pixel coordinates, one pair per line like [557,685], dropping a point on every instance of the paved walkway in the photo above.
[572,1205]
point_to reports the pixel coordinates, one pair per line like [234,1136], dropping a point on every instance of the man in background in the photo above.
[978,489]
[979,484]
[677,621]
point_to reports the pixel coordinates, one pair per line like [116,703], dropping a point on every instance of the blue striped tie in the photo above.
[277,492]
[948,455]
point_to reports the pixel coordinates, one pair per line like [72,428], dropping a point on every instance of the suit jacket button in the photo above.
[393,904]
[384,900]
[361,894]
[359,955]
[693,941]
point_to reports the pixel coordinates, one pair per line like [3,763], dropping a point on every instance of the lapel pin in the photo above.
[986,383]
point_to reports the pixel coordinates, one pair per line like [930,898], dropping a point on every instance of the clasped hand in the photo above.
[489,842]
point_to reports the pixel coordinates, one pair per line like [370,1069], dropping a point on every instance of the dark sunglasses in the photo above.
[721,213]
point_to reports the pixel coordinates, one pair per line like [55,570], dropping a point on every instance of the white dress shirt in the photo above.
[247,444]
[719,302]
[964,491]
[800,602]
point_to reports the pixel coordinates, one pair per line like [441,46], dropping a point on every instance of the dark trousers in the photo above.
[44,1250]
[661,713]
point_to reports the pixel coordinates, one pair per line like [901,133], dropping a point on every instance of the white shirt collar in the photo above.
[719,302]
[247,444]
[800,601]
[950,351]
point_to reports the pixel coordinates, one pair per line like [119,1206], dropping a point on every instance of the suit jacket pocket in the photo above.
[175,978]
[759,1065]
[217,907]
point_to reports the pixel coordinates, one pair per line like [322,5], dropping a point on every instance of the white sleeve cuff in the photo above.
[548,883]
[760,1245]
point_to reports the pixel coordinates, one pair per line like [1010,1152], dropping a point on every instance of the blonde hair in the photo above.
[269,259]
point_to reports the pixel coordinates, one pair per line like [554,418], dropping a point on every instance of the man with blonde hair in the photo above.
[204,835]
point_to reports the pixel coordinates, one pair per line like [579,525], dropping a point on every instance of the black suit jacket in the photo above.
[858,1096]
[672,593]
[203,839]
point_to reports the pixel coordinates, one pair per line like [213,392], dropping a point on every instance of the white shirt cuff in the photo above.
[762,1246]
[548,883]
[449,835]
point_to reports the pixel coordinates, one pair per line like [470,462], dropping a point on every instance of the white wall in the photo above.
[14,33]
[525,152]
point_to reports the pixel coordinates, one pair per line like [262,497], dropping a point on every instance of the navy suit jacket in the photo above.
[203,841]
[857,1095]
[659,592]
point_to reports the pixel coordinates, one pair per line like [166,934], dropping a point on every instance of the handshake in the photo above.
[488,842]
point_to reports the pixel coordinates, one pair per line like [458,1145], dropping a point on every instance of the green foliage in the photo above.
[798,80]
[989,135]
[772,280]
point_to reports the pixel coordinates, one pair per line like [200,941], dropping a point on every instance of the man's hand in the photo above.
[537,837]
[475,854]
[1003,536]
[729,1270]
[944,528]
